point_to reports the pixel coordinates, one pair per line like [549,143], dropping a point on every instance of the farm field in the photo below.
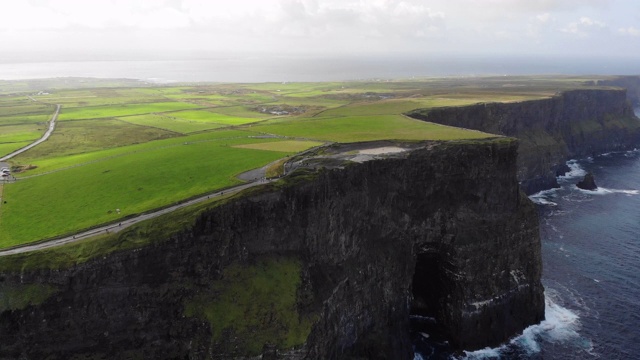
[22,122]
[121,149]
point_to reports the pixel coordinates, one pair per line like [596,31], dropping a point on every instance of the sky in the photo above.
[165,28]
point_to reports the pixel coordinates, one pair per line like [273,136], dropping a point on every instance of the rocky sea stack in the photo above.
[588,183]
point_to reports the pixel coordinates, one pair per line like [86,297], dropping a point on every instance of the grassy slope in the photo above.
[115,172]
[86,136]
[95,112]
[6,148]
[18,297]
[80,197]
[366,128]
[21,121]
[254,305]
[46,164]
[170,122]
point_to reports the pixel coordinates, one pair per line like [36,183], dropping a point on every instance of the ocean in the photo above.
[300,68]
[591,275]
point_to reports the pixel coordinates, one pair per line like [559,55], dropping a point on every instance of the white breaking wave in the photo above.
[605,191]
[561,325]
[575,171]
[632,153]
[543,196]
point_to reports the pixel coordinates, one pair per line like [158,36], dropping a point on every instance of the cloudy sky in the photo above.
[335,27]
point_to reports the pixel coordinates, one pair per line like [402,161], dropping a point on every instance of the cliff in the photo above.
[323,265]
[576,123]
[631,83]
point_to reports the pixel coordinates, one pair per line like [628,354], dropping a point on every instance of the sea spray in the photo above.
[605,191]
[543,197]
[561,325]
[576,171]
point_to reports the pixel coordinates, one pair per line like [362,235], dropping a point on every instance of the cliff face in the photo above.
[631,83]
[442,231]
[576,123]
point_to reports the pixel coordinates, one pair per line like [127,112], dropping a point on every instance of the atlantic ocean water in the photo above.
[281,67]
[591,259]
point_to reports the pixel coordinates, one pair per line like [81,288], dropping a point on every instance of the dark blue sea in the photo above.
[591,259]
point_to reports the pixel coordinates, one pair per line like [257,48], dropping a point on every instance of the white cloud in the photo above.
[322,26]
[353,19]
[21,15]
[631,31]
[65,14]
[165,18]
[585,21]
[543,18]
[583,27]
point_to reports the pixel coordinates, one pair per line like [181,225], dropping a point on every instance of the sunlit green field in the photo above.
[22,121]
[138,148]
[170,122]
[94,112]
[6,148]
[213,117]
[86,195]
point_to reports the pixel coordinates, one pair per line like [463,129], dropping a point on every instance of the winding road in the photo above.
[113,227]
[116,227]
[52,126]
[257,174]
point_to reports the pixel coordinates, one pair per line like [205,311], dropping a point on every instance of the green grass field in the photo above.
[6,148]
[84,196]
[20,133]
[366,128]
[205,116]
[79,159]
[26,119]
[290,146]
[85,136]
[170,122]
[121,145]
[95,112]
[21,122]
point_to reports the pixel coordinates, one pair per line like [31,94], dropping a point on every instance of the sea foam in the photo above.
[542,197]
[605,191]
[561,325]
[575,171]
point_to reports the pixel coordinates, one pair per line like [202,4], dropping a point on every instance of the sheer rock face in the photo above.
[631,83]
[576,123]
[447,224]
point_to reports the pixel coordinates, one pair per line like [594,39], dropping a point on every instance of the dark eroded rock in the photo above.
[573,124]
[443,231]
[588,183]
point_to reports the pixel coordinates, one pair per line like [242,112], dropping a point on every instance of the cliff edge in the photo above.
[325,264]
[576,123]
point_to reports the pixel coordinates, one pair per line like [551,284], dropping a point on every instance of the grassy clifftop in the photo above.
[122,150]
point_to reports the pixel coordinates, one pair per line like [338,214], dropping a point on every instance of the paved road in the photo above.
[116,227]
[52,126]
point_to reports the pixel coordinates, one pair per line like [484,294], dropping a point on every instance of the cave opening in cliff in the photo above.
[429,296]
